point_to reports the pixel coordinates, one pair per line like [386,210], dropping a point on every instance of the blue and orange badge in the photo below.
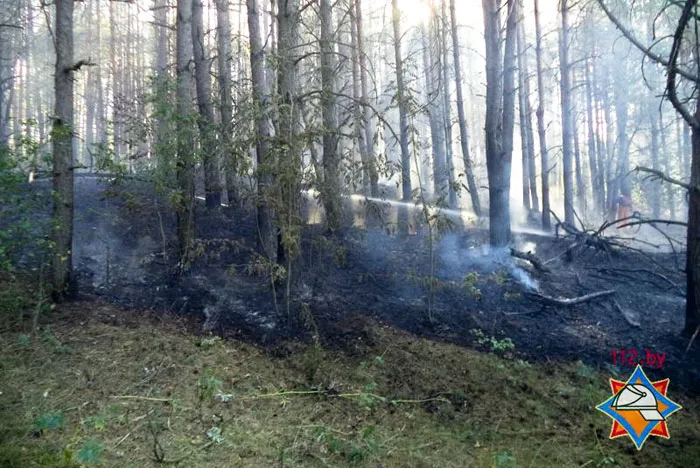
[639,408]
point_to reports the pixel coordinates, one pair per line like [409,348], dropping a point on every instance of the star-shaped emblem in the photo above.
[639,408]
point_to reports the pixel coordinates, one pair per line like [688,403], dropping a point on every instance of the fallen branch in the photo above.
[143,398]
[626,316]
[568,302]
[530,257]
[664,278]
[654,221]
[692,338]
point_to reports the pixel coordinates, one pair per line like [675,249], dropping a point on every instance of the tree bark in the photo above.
[161,84]
[330,187]
[592,162]
[655,192]
[185,136]
[101,127]
[463,130]
[527,137]
[433,97]
[447,106]
[290,163]
[63,158]
[212,171]
[692,266]
[223,38]
[406,190]
[524,150]
[580,187]
[116,82]
[566,117]
[266,239]
[500,117]
[546,217]
[366,140]
[670,198]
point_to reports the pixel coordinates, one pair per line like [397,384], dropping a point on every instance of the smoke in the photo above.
[461,260]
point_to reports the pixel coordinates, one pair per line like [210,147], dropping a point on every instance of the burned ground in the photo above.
[456,292]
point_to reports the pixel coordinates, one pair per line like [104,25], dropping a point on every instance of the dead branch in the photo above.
[633,322]
[692,338]
[79,64]
[643,270]
[530,257]
[646,50]
[568,302]
[667,222]
[662,176]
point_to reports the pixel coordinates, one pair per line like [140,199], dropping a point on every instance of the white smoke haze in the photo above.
[460,260]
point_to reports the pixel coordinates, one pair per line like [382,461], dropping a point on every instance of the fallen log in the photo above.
[568,302]
[530,257]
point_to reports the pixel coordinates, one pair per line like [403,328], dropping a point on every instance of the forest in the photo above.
[411,233]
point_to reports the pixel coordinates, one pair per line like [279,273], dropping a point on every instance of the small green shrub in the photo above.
[49,421]
[90,453]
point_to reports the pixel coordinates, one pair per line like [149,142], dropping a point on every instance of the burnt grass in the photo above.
[344,282]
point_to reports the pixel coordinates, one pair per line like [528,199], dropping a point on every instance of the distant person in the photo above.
[624,206]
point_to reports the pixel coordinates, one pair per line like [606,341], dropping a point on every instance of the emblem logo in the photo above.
[639,408]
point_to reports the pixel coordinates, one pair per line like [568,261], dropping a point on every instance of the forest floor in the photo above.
[491,371]
[103,385]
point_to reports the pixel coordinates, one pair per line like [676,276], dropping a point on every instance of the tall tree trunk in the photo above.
[114,55]
[592,163]
[692,267]
[655,192]
[212,171]
[546,216]
[30,96]
[611,188]
[687,152]
[185,136]
[101,124]
[566,117]
[463,131]
[433,98]
[290,163]
[500,117]
[601,152]
[524,150]
[366,142]
[223,38]
[529,134]
[406,189]
[670,199]
[90,99]
[161,84]
[622,181]
[266,238]
[580,187]
[356,106]
[526,134]
[330,193]
[447,105]
[62,133]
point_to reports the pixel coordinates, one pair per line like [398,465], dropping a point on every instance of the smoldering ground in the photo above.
[453,289]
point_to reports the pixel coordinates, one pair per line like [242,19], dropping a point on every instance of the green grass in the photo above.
[99,386]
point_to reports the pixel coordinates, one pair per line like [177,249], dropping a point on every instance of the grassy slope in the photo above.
[112,383]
